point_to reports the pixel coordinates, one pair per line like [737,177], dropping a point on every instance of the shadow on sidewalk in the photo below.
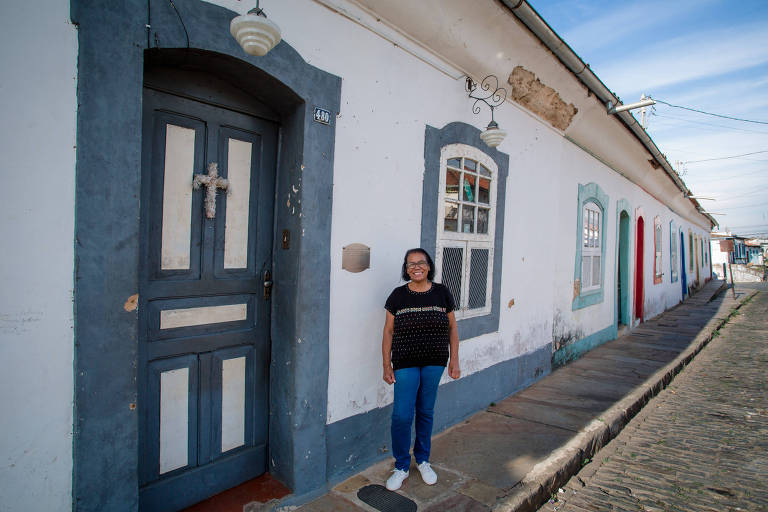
[511,456]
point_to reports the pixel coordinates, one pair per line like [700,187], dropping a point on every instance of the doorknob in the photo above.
[267,285]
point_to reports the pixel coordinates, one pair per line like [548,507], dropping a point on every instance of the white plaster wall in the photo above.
[38,57]
[388,96]
[718,257]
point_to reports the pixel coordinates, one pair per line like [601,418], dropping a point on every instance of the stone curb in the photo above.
[548,475]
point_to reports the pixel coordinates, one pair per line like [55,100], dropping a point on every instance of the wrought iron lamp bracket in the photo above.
[490,93]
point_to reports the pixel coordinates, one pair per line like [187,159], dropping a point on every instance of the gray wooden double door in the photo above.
[203,313]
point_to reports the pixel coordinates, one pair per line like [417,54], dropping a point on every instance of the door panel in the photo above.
[204,322]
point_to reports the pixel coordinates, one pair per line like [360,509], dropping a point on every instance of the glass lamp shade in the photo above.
[256,34]
[493,135]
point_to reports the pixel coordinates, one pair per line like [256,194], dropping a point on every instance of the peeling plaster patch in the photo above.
[511,303]
[540,99]
[562,334]
[132,303]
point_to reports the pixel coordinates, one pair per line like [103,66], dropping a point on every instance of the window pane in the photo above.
[595,270]
[484,171]
[597,229]
[452,184]
[482,221]
[451,271]
[451,219]
[478,278]
[484,191]
[469,187]
[585,224]
[470,165]
[454,162]
[586,271]
[467,219]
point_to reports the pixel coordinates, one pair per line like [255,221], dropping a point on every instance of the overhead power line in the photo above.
[710,113]
[725,157]
[747,130]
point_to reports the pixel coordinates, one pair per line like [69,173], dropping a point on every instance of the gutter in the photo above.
[531,19]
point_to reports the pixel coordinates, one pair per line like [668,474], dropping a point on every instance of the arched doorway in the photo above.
[622,279]
[109,158]
[204,319]
[683,280]
[639,250]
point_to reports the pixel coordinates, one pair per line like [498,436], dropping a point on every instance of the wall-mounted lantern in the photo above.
[254,32]
[493,96]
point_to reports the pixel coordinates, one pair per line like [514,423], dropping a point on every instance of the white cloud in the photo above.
[690,57]
[632,19]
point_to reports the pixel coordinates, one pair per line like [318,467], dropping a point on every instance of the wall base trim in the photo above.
[578,348]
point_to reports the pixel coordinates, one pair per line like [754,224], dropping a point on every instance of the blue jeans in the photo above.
[415,391]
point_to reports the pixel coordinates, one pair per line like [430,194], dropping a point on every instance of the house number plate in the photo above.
[322,116]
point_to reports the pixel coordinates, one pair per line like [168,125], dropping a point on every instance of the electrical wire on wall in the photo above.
[149,23]
[732,118]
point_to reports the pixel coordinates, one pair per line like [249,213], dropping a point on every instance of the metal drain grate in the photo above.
[381,499]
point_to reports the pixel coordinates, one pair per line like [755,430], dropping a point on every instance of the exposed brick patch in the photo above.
[540,99]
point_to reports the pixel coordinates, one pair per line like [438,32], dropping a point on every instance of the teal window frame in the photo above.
[590,193]
[674,236]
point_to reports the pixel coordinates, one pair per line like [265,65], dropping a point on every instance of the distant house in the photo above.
[754,252]
[177,313]
[728,248]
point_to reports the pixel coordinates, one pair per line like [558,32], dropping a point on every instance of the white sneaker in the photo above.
[427,473]
[396,480]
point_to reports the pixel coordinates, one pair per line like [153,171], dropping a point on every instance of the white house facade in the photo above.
[159,347]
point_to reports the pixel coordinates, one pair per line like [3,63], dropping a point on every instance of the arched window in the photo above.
[591,248]
[465,231]
[658,272]
[589,270]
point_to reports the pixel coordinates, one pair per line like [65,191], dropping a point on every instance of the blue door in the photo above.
[683,280]
[206,248]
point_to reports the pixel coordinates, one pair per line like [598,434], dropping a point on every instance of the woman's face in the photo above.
[417,267]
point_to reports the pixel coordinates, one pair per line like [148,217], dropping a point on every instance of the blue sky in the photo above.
[711,55]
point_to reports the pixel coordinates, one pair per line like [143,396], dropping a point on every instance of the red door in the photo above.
[639,270]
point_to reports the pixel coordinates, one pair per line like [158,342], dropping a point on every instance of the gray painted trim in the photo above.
[356,442]
[106,241]
[591,192]
[434,140]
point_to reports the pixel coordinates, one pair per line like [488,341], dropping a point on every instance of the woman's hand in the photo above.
[453,369]
[389,374]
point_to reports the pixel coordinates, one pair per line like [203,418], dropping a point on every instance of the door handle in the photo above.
[267,285]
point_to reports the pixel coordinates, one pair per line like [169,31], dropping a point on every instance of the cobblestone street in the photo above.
[701,444]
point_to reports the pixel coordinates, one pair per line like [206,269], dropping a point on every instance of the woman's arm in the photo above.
[453,338]
[386,348]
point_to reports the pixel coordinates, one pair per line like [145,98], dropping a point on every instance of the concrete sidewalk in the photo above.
[512,456]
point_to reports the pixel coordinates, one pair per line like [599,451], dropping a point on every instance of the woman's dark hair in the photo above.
[430,274]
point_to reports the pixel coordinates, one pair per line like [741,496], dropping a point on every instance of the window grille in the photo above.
[452,269]
[478,272]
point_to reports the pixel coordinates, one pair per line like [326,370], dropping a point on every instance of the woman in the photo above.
[420,337]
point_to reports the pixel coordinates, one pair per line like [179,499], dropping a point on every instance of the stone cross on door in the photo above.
[211,182]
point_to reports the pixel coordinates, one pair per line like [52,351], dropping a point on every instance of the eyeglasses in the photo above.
[421,264]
